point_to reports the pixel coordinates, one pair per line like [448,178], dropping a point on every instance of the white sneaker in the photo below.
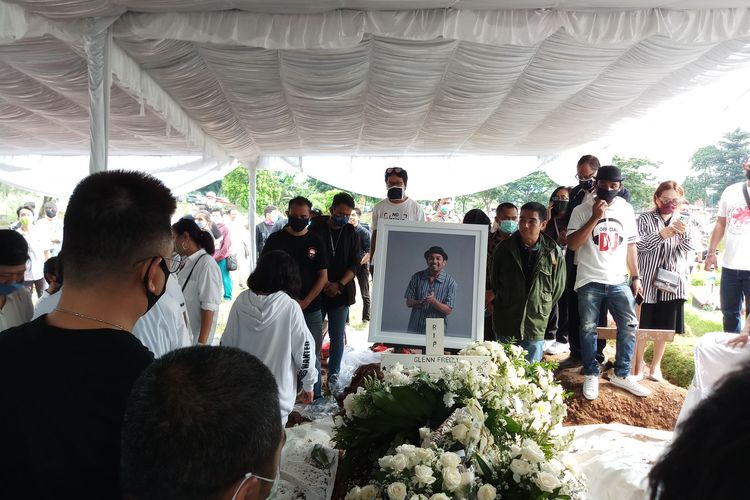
[557,348]
[547,345]
[590,387]
[629,384]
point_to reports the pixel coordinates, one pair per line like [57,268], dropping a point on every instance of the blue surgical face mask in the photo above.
[508,226]
[201,223]
[9,288]
[339,220]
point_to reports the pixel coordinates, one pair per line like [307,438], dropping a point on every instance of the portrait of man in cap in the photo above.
[431,292]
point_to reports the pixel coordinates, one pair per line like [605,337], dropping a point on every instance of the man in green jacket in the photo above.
[528,276]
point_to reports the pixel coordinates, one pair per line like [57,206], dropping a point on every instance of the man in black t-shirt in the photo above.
[342,251]
[307,250]
[65,377]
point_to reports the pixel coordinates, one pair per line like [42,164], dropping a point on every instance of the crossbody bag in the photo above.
[191,271]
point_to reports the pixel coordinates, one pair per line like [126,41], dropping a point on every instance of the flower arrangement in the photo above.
[483,433]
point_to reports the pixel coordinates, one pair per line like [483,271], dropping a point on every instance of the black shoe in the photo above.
[570,362]
[602,367]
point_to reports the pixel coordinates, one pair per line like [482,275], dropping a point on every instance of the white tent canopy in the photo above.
[217,80]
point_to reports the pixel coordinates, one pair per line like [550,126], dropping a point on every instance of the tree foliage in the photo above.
[717,166]
[638,179]
[536,186]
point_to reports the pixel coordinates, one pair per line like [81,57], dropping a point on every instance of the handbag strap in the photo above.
[191,271]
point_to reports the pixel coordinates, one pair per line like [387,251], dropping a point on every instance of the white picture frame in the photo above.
[399,254]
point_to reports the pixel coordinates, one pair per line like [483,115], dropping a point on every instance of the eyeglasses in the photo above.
[170,265]
[392,170]
[582,178]
[250,475]
[671,201]
[560,198]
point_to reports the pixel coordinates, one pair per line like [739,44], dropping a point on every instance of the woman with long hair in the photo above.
[267,322]
[199,278]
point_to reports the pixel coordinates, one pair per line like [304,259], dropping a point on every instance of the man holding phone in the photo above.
[733,224]
[603,233]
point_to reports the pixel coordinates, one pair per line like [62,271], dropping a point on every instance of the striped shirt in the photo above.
[655,252]
[419,287]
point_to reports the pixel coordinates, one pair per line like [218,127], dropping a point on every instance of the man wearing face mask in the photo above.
[603,232]
[65,377]
[397,206]
[733,223]
[556,336]
[444,211]
[308,251]
[586,169]
[342,251]
[51,228]
[15,301]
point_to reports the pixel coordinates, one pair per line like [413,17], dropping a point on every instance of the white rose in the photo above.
[418,497]
[399,462]
[440,496]
[397,491]
[460,432]
[423,474]
[425,454]
[348,404]
[424,432]
[369,492]
[353,494]
[547,482]
[451,478]
[386,462]
[406,449]
[450,459]
[531,451]
[520,467]
[487,492]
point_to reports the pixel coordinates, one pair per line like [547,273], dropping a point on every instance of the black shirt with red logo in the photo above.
[308,251]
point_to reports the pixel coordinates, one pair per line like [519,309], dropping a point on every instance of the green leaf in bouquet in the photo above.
[487,471]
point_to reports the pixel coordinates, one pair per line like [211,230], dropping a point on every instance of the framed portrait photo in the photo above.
[428,270]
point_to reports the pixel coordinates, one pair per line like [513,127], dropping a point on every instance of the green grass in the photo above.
[697,324]
[677,365]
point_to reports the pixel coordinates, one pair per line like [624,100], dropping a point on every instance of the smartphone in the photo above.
[639,299]
[684,217]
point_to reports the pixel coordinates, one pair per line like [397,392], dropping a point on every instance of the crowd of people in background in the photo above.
[121,264]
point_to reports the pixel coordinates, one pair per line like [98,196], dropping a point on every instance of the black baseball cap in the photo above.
[609,173]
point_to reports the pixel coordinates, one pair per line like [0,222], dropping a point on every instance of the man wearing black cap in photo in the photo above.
[603,233]
[431,292]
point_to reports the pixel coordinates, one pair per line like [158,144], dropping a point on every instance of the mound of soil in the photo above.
[658,411]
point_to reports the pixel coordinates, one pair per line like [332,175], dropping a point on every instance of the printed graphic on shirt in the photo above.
[394,215]
[739,219]
[607,235]
[312,252]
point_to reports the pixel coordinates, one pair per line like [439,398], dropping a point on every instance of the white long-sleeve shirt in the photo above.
[165,327]
[203,291]
[272,328]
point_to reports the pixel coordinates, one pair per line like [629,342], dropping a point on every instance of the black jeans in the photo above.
[557,326]
[363,278]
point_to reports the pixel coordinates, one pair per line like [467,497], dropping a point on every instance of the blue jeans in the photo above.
[534,348]
[734,289]
[314,322]
[336,332]
[619,298]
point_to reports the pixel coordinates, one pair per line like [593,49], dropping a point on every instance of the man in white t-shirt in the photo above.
[603,233]
[733,224]
[397,206]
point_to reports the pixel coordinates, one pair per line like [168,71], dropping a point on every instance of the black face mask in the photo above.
[606,194]
[396,193]
[298,223]
[50,213]
[747,174]
[559,206]
[152,298]
[586,185]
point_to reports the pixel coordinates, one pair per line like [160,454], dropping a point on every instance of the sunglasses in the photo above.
[392,170]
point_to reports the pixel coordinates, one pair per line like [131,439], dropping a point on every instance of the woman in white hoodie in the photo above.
[268,323]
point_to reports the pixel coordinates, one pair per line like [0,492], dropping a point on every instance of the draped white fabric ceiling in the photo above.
[239,79]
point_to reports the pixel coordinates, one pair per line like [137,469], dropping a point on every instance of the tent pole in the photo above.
[252,175]
[96,43]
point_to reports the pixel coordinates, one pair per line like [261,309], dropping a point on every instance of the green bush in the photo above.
[697,281]
[677,366]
